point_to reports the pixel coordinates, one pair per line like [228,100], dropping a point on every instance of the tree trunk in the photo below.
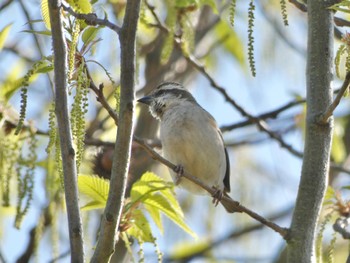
[314,175]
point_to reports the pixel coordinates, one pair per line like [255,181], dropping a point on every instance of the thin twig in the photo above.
[236,233]
[282,231]
[262,125]
[92,19]
[267,115]
[101,98]
[324,117]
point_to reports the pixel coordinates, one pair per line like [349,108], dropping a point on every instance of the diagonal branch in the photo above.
[92,19]
[324,117]
[282,231]
[262,125]
[64,130]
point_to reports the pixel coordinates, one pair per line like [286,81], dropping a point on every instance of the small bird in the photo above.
[191,140]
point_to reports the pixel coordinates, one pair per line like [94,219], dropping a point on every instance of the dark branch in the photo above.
[264,116]
[282,231]
[92,19]
[324,117]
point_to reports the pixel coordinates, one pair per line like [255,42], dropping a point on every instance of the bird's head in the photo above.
[165,96]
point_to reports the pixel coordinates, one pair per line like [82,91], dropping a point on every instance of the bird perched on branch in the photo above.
[191,140]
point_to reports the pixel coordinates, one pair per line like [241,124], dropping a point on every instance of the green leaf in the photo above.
[338,151]
[211,3]
[42,32]
[45,13]
[156,194]
[3,35]
[231,42]
[155,215]
[81,6]
[185,3]
[329,196]
[93,205]
[94,187]
[160,202]
[141,229]
[89,34]
[183,250]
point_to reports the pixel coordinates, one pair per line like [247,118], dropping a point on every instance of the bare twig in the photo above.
[229,236]
[92,19]
[282,231]
[64,130]
[260,123]
[324,117]
[264,116]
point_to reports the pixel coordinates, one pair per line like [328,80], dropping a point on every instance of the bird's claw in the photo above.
[217,196]
[179,170]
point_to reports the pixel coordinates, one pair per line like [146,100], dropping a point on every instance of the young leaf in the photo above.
[141,229]
[82,6]
[160,202]
[94,187]
[3,35]
[45,13]
[89,34]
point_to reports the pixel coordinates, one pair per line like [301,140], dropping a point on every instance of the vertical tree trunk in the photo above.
[64,131]
[113,211]
[314,175]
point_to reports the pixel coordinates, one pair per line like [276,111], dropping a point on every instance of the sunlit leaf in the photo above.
[211,3]
[141,228]
[230,41]
[82,6]
[160,202]
[184,249]
[45,13]
[94,187]
[155,215]
[338,151]
[93,205]
[329,196]
[3,35]
[89,34]
[42,32]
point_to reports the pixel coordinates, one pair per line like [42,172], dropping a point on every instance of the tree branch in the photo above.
[121,157]
[260,123]
[229,236]
[92,19]
[315,168]
[282,231]
[64,130]
[324,117]
[267,115]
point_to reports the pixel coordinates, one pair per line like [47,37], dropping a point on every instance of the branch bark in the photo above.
[314,175]
[64,130]
[113,211]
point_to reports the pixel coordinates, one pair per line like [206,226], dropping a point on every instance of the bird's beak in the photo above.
[146,100]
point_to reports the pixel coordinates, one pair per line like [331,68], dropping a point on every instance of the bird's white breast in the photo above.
[190,138]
